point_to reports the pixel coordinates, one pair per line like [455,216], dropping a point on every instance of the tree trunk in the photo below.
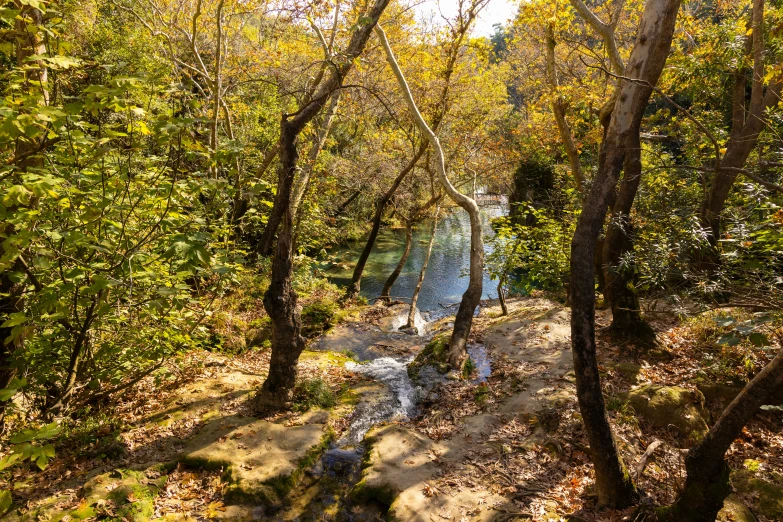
[502,295]
[707,483]
[648,57]
[743,137]
[620,281]
[558,108]
[470,299]
[280,299]
[319,140]
[356,280]
[387,286]
[415,297]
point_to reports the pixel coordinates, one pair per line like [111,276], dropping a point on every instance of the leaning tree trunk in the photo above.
[707,483]
[422,273]
[356,279]
[744,134]
[470,299]
[502,295]
[387,286]
[280,299]
[417,215]
[648,57]
[620,278]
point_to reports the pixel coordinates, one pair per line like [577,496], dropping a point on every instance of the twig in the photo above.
[654,445]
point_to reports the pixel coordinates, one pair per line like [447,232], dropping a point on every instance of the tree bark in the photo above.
[558,108]
[707,483]
[502,295]
[647,60]
[280,299]
[356,279]
[423,272]
[470,299]
[387,286]
[743,137]
[319,140]
[409,222]
[620,281]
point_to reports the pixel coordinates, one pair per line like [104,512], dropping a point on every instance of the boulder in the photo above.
[671,406]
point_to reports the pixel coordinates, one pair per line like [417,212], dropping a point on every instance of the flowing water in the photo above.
[395,397]
[447,272]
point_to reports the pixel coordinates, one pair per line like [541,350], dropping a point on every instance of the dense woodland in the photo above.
[174,174]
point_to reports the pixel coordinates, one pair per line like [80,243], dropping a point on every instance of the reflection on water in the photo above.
[447,272]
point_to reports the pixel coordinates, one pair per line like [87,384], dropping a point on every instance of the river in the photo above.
[447,272]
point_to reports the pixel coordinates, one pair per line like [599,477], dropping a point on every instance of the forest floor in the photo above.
[508,447]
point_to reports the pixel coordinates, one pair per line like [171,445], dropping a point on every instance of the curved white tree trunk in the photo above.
[472,296]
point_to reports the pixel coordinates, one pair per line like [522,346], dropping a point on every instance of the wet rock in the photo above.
[434,354]
[671,406]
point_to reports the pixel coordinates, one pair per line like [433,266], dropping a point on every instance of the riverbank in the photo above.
[368,442]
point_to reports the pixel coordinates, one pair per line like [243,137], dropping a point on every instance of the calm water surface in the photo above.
[447,272]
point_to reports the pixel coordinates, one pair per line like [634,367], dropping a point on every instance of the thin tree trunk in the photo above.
[409,222]
[356,279]
[423,272]
[342,208]
[280,299]
[558,108]
[502,295]
[744,134]
[620,281]
[647,60]
[319,140]
[387,286]
[707,483]
[470,299]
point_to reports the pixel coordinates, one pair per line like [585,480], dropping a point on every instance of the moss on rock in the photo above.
[766,497]
[666,406]
[435,354]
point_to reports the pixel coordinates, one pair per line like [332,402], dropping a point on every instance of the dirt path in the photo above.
[425,480]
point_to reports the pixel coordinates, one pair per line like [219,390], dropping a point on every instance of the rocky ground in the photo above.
[506,447]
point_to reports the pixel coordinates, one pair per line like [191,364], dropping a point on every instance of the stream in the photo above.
[446,279]
[382,353]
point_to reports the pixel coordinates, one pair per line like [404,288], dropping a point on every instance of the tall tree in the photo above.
[645,65]
[747,122]
[280,299]
[460,31]
[470,299]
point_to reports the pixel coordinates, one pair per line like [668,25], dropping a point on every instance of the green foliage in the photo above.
[313,393]
[317,318]
[531,257]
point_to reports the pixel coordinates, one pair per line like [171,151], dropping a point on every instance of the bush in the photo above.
[313,393]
